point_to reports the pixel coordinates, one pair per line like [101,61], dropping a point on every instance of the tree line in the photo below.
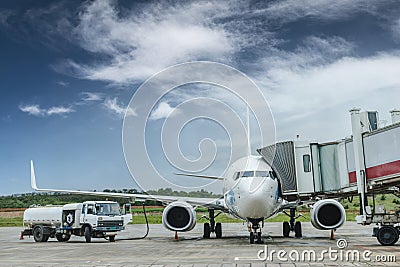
[26,200]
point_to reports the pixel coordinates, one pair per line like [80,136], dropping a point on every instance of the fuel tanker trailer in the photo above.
[91,219]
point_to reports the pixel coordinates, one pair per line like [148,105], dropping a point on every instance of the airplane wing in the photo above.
[218,204]
[200,176]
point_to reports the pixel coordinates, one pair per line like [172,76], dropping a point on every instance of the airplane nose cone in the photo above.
[255,184]
[257,197]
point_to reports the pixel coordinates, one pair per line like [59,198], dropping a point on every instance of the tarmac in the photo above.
[315,248]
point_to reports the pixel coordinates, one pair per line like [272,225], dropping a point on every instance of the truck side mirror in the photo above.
[127,208]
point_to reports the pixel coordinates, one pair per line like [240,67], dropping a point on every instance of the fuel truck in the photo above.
[91,219]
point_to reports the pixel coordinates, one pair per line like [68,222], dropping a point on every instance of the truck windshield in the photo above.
[107,209]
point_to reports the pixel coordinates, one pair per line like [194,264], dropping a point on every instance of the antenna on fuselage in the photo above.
[248,130]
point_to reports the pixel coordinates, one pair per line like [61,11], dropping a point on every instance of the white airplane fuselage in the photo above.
[250,189]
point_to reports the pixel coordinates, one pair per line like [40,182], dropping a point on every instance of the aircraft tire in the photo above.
[251,238]
[207,231]
[286,229]
[297,230]
[218,230]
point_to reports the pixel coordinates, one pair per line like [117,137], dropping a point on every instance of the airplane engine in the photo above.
[179,216]
[327,214]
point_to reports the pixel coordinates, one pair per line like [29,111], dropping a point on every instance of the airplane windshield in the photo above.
[261,174]
[246,174]
[107,209]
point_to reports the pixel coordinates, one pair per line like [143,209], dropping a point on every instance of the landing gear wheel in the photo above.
[259,238]
[207,230]
[251,238]
[286,229]
[38,234]
[112,238]
[218,230]
[62,237]
[387,235]
[297,230]
[88,237]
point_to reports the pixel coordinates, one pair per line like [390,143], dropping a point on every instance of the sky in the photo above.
[70,68]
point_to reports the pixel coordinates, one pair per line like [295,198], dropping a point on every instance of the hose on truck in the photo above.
[141,237]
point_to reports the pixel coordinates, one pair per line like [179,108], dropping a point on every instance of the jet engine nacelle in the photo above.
[179,216]
[327,214]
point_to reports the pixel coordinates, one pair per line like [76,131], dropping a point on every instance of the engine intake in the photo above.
[327,214]
[179,216]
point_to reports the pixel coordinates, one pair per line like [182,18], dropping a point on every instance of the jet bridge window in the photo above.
[307,163]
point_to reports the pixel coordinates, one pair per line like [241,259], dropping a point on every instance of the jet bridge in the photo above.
[364,164]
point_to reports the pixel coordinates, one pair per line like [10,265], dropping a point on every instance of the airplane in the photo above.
[251,192]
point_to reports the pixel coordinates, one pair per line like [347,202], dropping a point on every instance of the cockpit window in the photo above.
[245,174]
[261,174]
[248,174]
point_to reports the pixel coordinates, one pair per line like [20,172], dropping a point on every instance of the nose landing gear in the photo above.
[255,231]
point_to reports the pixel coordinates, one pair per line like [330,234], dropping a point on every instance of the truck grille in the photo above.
[110,223]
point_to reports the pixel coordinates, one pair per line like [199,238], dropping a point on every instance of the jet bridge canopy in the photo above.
[306,168]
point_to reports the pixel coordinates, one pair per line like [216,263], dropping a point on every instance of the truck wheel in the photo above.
[38,234]
[62,237]
[45,237]
[112,238]
[88,236]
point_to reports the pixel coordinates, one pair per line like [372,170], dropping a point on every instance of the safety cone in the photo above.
[332,234]
[176,236]
[21,237]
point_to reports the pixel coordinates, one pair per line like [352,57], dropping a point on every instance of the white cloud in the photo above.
[304,83]
[89,96]
[162,111]
[291,10]
[115,107]
[36,110]
[141,45]
[59,110]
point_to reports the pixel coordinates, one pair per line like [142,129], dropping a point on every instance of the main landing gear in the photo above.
[255,230]
[292,225]
[212,227]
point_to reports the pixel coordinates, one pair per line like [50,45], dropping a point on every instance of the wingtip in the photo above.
[33,177]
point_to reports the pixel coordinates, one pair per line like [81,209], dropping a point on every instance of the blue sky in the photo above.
[68,70]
